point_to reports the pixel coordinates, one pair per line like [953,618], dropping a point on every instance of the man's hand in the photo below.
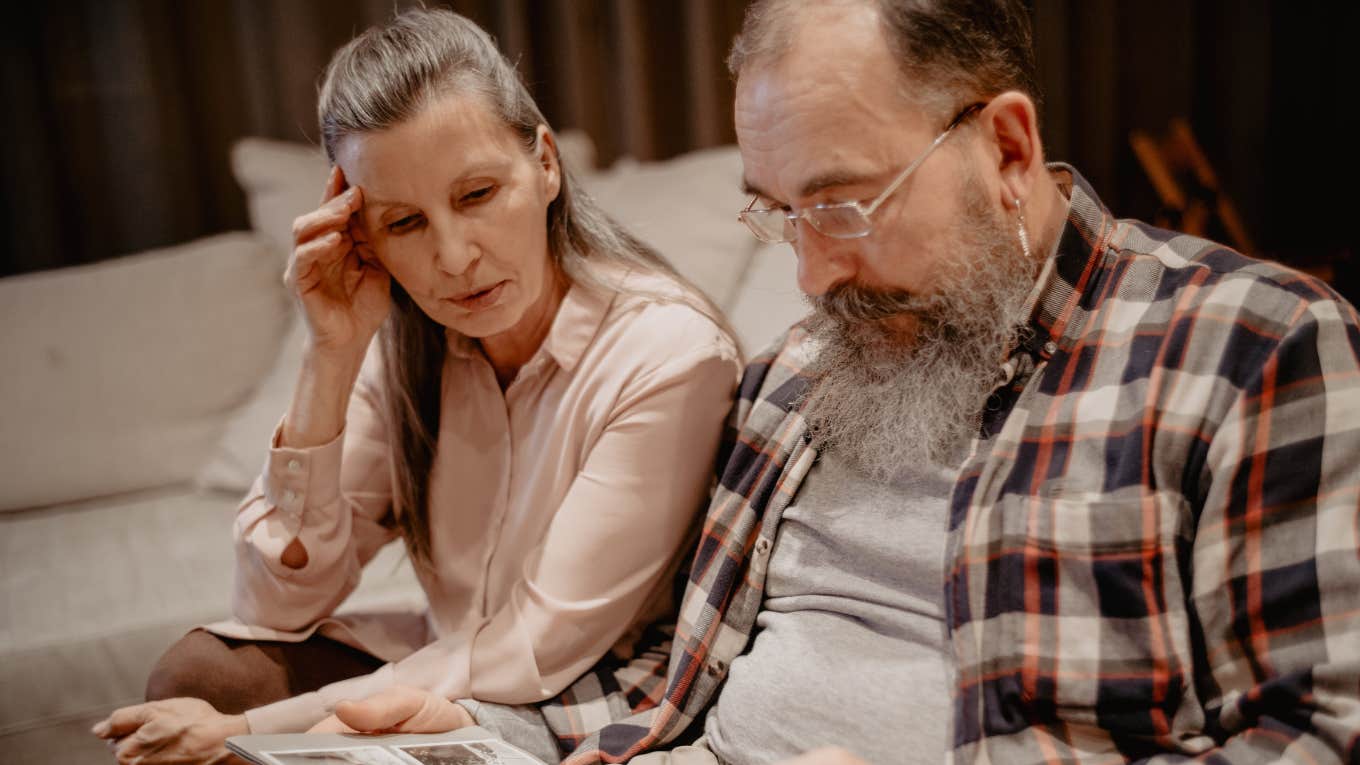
[399,709]
[170,731]
[825,756]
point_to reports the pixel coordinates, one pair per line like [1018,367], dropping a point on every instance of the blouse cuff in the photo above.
[298,478]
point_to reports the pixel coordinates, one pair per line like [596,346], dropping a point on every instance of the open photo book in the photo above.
[468,746]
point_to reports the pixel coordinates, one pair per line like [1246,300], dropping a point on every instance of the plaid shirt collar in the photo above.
[1056,313]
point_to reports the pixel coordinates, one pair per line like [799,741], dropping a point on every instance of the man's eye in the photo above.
[478,195]
[404,224]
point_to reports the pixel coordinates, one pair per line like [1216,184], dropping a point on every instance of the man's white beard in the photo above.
[889,399]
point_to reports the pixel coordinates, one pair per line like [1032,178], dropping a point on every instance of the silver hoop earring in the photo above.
[1024,237]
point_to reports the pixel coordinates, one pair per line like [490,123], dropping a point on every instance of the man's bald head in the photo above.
[948,51]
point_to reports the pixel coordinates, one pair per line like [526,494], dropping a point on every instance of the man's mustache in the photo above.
[858,303]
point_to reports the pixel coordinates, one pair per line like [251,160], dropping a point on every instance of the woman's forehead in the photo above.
[449,138]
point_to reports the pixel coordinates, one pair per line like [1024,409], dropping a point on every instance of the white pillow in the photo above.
[240,453]
[768,301]
[282,180]
[686,208]
[121,374]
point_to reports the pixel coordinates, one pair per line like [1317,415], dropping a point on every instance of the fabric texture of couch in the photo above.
[139,399]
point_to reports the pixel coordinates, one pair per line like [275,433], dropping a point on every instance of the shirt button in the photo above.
[762,546]
[294,465]
[1050,347]
[290,495]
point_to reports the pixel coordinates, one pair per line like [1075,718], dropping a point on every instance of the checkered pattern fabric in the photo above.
[1154,547]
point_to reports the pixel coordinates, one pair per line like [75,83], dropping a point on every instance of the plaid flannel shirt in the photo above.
[1154,543]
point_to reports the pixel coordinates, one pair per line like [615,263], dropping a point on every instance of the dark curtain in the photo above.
[1265,86]
[119,114]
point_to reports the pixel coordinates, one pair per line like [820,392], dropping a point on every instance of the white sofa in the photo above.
[137,400]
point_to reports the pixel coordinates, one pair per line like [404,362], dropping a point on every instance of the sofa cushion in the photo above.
[239,456]
[686,208]
[94,592]
[282,180]
[122,374]
[768,300]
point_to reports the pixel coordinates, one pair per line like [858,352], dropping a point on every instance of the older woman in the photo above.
[537,419]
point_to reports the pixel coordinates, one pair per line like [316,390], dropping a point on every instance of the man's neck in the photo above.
[1046,213]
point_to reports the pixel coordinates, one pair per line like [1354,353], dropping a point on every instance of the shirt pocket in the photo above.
[1097,627]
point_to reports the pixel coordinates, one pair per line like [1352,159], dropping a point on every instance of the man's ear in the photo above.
[1012,123]
[551,163]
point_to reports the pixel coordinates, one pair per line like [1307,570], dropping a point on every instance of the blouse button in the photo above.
[762,546]
[294,465]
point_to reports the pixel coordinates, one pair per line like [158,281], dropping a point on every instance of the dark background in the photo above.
[119,114]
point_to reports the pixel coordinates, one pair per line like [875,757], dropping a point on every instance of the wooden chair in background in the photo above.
[1193,202]
[1187,185]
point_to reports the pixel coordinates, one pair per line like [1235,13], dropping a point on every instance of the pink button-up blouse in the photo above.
[557,507]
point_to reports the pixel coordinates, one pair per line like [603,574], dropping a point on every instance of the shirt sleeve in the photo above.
[333,498]
[1276,567]
[522,726]
[609,545]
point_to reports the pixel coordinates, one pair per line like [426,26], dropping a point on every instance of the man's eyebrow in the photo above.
[831,179]
[817,183]
[750,188]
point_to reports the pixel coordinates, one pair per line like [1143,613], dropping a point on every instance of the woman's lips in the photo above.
[477,301]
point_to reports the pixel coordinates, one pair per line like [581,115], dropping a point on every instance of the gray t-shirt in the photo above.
[849,648]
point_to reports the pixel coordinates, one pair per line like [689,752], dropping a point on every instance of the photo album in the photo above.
[469,746]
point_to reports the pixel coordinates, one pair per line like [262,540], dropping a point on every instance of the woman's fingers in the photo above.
[382,711]
[333,214]
[335,183]
[123,721]
[402,709]
[438,714]
[133,748]
[310,260]
[331,724]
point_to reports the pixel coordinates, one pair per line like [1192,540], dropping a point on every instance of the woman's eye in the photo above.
[404,224]
[478,195]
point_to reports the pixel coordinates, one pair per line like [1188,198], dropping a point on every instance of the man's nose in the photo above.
[823,261]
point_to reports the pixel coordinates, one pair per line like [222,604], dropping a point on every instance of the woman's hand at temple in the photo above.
[345,298]
[335,274]
[399,709]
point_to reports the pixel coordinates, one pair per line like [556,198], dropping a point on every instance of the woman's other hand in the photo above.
[333,271]
[399,709]
[170,731]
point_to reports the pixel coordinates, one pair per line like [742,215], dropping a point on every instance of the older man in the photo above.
[1031,485]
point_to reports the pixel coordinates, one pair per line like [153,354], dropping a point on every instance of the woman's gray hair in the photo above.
[386,76]
[952,52]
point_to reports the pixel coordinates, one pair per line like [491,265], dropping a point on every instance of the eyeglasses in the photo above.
[841,220]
